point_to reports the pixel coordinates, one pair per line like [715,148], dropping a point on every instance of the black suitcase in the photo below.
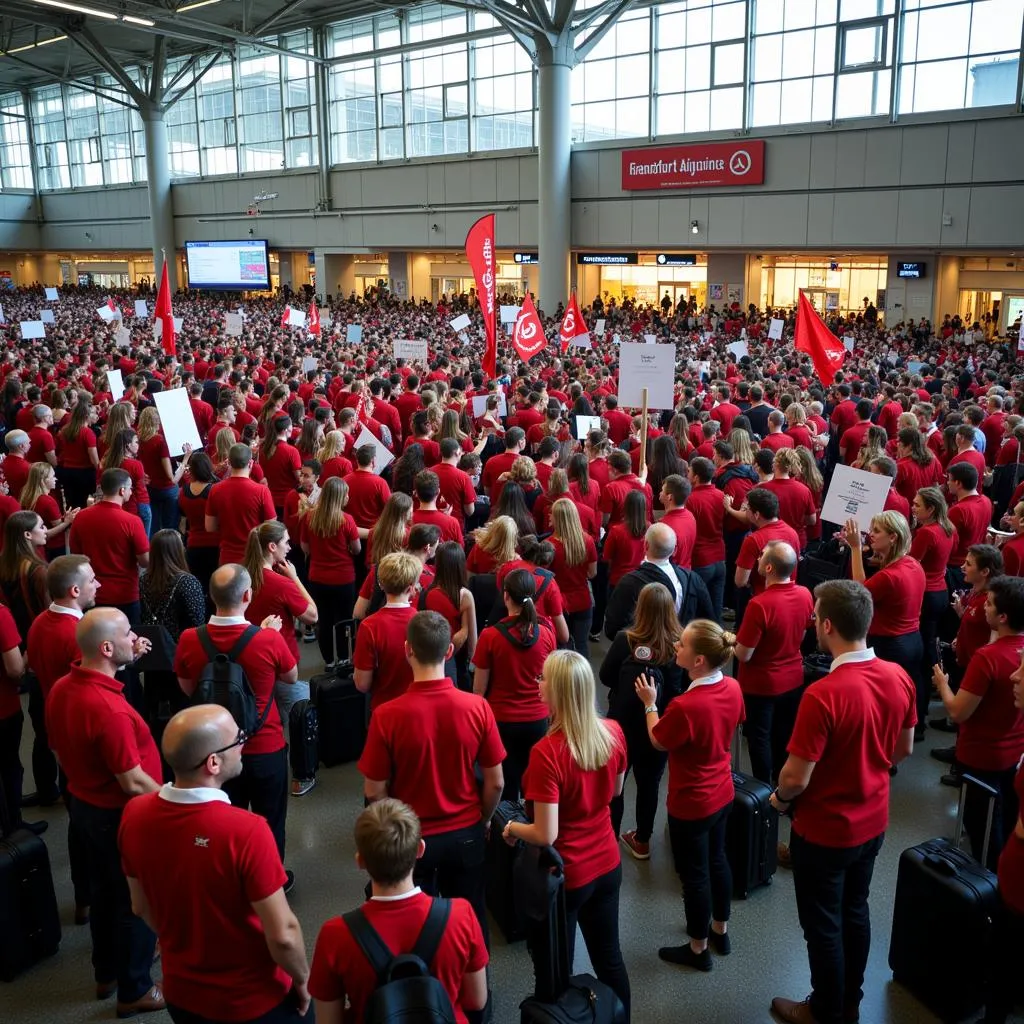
[501,858]
[828,561]
[341,708]
[942,892]
[303,739]
[751,836]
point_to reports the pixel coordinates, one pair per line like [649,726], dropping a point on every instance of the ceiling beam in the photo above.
[276,17]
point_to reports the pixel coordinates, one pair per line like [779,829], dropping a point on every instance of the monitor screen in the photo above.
[910,270]
[229,265]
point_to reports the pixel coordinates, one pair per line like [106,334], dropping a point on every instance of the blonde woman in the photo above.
[797,426]
[742,446]
[163,478]
[873,447]
[120,417]
[77,454]
[495,544]
[574,566]
[332,457]
[390,532]
[811,476]
[36,496]
[573,774]
[796,503]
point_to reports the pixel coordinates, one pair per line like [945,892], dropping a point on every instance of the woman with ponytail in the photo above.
[123,454]
[281,461]
[574,566]
[697,730]
[509,658]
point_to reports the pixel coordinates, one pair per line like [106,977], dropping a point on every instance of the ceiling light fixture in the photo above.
[192,7]
[77,8]
[32,46]
[132,20]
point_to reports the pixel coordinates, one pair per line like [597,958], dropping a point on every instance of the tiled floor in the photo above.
[769,957]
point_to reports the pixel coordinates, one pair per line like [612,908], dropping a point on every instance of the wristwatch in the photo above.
[651,710]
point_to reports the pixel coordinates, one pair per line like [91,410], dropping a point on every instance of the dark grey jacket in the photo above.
[696,603]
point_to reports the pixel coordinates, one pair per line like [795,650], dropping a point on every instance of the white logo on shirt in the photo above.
[202,841]
[642,654]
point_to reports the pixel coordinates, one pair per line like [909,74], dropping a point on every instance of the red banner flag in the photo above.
[481,255]
[813,337]
[284,316]
[314,319]
[573,325]
[528,335]
[164,313]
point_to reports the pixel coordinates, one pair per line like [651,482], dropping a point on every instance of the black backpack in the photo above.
[223,681]
[406,990]
[623,704]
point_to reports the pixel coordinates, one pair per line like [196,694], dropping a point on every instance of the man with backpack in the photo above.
[399,919]
[236,664]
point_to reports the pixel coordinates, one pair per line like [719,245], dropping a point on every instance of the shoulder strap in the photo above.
[546,577]
[421,603]
[369,941]
[432,931]
[242,642]
[203,632]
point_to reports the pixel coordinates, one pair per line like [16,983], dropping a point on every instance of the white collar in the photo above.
[661,563]
[708,680]
[398,604]
[61,609]
[197,795]
[229,620]
[414,891]
[852,657]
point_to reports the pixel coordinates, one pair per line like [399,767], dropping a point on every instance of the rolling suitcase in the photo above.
[942,892]
[751,836]
[303,739]
[341,708]
[501,858]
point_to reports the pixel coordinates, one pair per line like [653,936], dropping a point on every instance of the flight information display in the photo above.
[229,265]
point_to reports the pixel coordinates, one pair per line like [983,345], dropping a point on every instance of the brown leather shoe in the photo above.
[105,989]
[784,857]
[153,1000]
[793,1012]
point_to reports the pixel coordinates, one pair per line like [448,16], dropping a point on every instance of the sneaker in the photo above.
[300,787]
[944,754]
[309,637]
[640,851]
[289,881]
[953,779]
[784,857]
[594,637]
[719,942]
[684,956]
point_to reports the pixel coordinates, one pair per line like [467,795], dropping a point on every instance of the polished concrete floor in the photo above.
[768,958]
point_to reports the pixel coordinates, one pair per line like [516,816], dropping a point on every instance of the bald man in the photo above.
[207,878]
[771,667]
[109,757]
[691,596]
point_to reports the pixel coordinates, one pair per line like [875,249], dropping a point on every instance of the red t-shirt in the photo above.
[265,660]
[479,561]
[424,744]
[16,469]
[613,497]
[622,551]
[73,453]
[911,476]
[367,496]
[380,649]
[152,454]
[1013,555]
[97,735]
[974,457]
[572,579]
[41,442]
[49,511]
[931,547]
[456,489]
[339,466]
[281,470]
[773,442]
[51,647]
[549,603]
[848,724]
[585,840]
[513,692]
[897,591]
[774,625]
[330,560]
[278,596]
[340,970]
[450,527]
[10,701]
[113,540]
[223,969]
[974,632]
[431,449]
[756,541]
[697,729]
[1011,860]
[796,503]
[972,516]
[684,526]
[194,507]
[992,739]
[239,505]
[895,502]
[707,505]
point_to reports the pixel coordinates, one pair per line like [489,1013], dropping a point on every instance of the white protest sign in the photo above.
[464,337]
[854,494]
[643,366]
[775,329]
[141,309]
[46,315]
[309,363]
[738,349]
[383,458]
[582,341]
[585,424]
[650,339]
[414,350]
[480,404]
[158,326]
[115,385]
[354,334]
[178,420]
[106,313]
[3,318]
[509,314]
[599,328]
[460,323]
[296,317]
[616,340]
[32,329]
[233,325]
[123,337]
[848,344]
[51,294]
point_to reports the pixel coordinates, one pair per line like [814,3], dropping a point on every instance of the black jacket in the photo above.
[696,603]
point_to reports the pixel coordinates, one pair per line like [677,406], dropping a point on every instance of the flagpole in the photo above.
[643,438]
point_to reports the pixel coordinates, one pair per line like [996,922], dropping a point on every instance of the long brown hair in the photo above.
[19,553]
[260,538]
[34,487]
[119,417]
[166,560]
[565,520]
[388,533]
[655,624]
[149,423]
[114,456]
[329,511]
[79,418]
[277,426]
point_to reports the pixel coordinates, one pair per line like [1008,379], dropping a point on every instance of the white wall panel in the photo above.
[920,216]
[783,219]
[645,220]
[960,151]
[823,161]
[999,154]
[865,218]
[851,154]
[882,154]
[997,216]
[821,208]
[924,154]
[725,220]
[957,203]
[788,164]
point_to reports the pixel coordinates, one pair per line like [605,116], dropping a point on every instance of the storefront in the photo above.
[833,285]
[643,277]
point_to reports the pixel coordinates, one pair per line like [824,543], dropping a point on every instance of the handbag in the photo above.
[160,657]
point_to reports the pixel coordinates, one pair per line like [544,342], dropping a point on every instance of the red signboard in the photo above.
[704,165]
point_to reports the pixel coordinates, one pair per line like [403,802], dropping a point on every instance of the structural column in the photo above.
[554,188]
[158,174]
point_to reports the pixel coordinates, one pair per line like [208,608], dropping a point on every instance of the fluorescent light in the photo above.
[32,46]
[132,20]
[78,9]
[192,7]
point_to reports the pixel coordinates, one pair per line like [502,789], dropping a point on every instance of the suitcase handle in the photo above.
[940,865]
[958,834]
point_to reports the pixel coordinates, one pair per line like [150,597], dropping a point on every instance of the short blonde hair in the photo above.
[523,470]
[894,523]
[388,839]
[709,639]
[397,572]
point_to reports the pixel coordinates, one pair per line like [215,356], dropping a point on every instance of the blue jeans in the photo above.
[164,502]
[713,576]
[146,515]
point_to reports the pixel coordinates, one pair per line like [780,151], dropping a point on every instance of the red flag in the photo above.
[314,319]
[813,337]
[528,335]
[164,313]
[573,325]
[284,316]
[111,305]
[481,255]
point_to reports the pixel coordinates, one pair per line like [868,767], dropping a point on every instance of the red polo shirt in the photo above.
[367,496]
[796,503]
[706,504]
[756,541]
[848,724]
[282,470]
[16,469]
[972,456]
[911,476]
[278,596]
[239,505]
[425,744]
[972,516]
[992,739]
[684,526]
[572,579]
[774,625]
[456,489]
[513,692]
[41,442]
[897,592]
[73,453]
[199,859]
[380,649]
[330,560]
[974,632]
[932,547]
[10,701]
[493,468]
[549,604]
[51,646]
[98,735]
[450,527]
[613,497]
[113,540]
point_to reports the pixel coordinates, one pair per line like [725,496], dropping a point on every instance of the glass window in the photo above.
[50,137]
[217,122]
[298,94]
[260,123]
[15,162]
[437,99]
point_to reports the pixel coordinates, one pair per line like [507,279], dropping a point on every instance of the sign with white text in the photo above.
[647,366]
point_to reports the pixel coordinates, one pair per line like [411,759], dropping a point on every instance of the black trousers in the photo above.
[334,604]
[832,886]
[518,739]
[202,563]
[77,484]
[1004,977]
[453,865]
[122,944]
[905,651]
[11,772]
[713,576]
[933,610]
[1004,816]
[78,853]
[579,630]
[648,766]
[733,543]
[698,850]
[286,1012]
[44,764]
[768,727]
[599,587]
[263,789]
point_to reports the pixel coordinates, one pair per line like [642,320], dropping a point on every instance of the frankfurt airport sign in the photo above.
[706,165]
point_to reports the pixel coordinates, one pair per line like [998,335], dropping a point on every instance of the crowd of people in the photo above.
[493,553]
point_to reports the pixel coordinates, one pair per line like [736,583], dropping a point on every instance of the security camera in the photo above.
[434,227]
[251,232]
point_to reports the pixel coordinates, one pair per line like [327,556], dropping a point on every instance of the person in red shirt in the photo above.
[706,504]
[108,755]
[421,435]
[851,728]
[16,465]
[894,501]
[237,505]
[457,488]
[574,566]
[619,423]
[697,729]
[428,487]
[573,774]
[775,440]
[389,847]
[1012,548]
[916,466]
[367,492]
[852,439]
[991,735]
[965,450]
[496,465]
[204,415]
[232,949]
[675,490]
[280,461]
[763,513]
[266,660]
[12,722]
[970,514]
[422,748]
[724,412]
[622,480]
[797,507]
[42,447]
[408,402]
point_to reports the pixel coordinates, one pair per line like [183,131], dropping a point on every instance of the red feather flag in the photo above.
[164,313]
[482,258]
[528,335]
[573,325]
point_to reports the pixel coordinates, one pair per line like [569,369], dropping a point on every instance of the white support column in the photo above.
[158,174]
[554,184]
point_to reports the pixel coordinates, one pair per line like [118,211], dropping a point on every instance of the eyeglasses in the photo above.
[240,740]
